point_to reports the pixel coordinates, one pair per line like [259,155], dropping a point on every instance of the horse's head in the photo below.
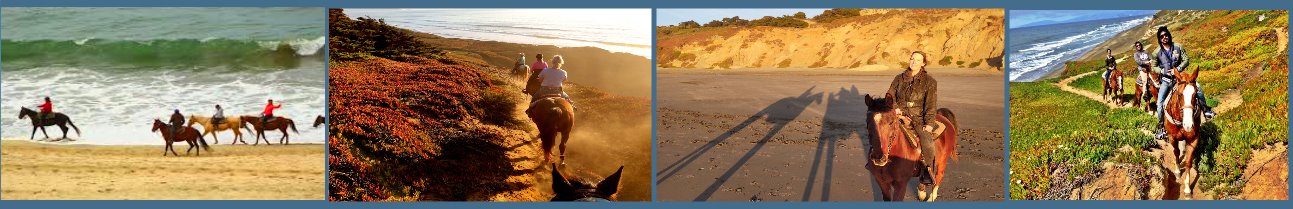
[319,121]
[158,125]
[1187,87]
[884,126]
[22,114]
[577,190]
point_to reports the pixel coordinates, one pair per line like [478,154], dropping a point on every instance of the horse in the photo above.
[320,120]
[532,85]
[1148,90]
[187,134]
[519,70]
[574,189]
[894,155]
[1113,87]
[1182,125]
[228,124]
[553,115]
[280,123]
[37,123]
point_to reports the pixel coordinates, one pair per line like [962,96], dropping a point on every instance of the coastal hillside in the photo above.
[412,120]
[840,38]
[1100,150]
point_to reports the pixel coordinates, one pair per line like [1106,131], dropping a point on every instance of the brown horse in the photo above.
[280,123]
[895,159]
[319,120]
[186,134]
[1182,125]
[61,120]
[234,124]
[1113,87]
[553,115]
[1148,91]
[532,85]
[574,189]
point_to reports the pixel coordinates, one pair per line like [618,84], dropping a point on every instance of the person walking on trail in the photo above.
[1171,59]
[552,78]
[268,113]
[915,93]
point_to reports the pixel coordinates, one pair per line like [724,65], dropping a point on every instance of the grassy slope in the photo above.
[1242,57]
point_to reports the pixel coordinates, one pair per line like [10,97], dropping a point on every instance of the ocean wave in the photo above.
[21,54]
[1033,62]
[114,107]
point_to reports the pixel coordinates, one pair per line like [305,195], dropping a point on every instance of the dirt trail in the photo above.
[591,154]
[1229,100]
[1064,85]
[1128,181]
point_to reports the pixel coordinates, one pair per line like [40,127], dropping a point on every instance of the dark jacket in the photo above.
[1165,60]
[177,119]
[1110,63]
[917,96]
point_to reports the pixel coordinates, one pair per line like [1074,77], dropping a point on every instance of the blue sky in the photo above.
[1020,18]
[702,16]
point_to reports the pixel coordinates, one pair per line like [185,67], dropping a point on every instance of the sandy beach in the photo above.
[42,171]
[810,122]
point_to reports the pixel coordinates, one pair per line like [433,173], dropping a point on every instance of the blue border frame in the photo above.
[1007,4]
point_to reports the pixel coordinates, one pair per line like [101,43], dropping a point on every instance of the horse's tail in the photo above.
[951,117]
[292,124]
[203,141]
[78,130]
[244,126]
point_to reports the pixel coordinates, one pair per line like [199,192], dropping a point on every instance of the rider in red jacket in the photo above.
[269,111]
[46,109]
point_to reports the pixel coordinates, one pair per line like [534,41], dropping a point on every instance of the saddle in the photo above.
[536,99]
[939,127]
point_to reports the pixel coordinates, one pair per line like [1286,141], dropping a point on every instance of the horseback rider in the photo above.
[269,112]
[46,110]
[177,120]
[916,95]
[1109,64]
[535,69]
[1142,65]
[218,117]
[552,78]
[1170,60]
[520,65]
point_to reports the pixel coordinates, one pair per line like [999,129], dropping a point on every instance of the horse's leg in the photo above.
[42,131]
[933,194]
[33,132]
[213,135]
[64,128]
[547,137]
[900,189]
[565,137]
[885,187]
[283,140]
[1188,165]
[921,195]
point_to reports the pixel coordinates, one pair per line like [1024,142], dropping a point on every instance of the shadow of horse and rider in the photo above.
[848,113]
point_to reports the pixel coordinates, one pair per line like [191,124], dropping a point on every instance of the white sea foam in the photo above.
[1027,64]
[116,107]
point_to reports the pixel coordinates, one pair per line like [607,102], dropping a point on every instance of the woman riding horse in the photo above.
[551,80]
[916,94]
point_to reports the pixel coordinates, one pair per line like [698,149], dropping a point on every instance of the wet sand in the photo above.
[116,172]
[710,123]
